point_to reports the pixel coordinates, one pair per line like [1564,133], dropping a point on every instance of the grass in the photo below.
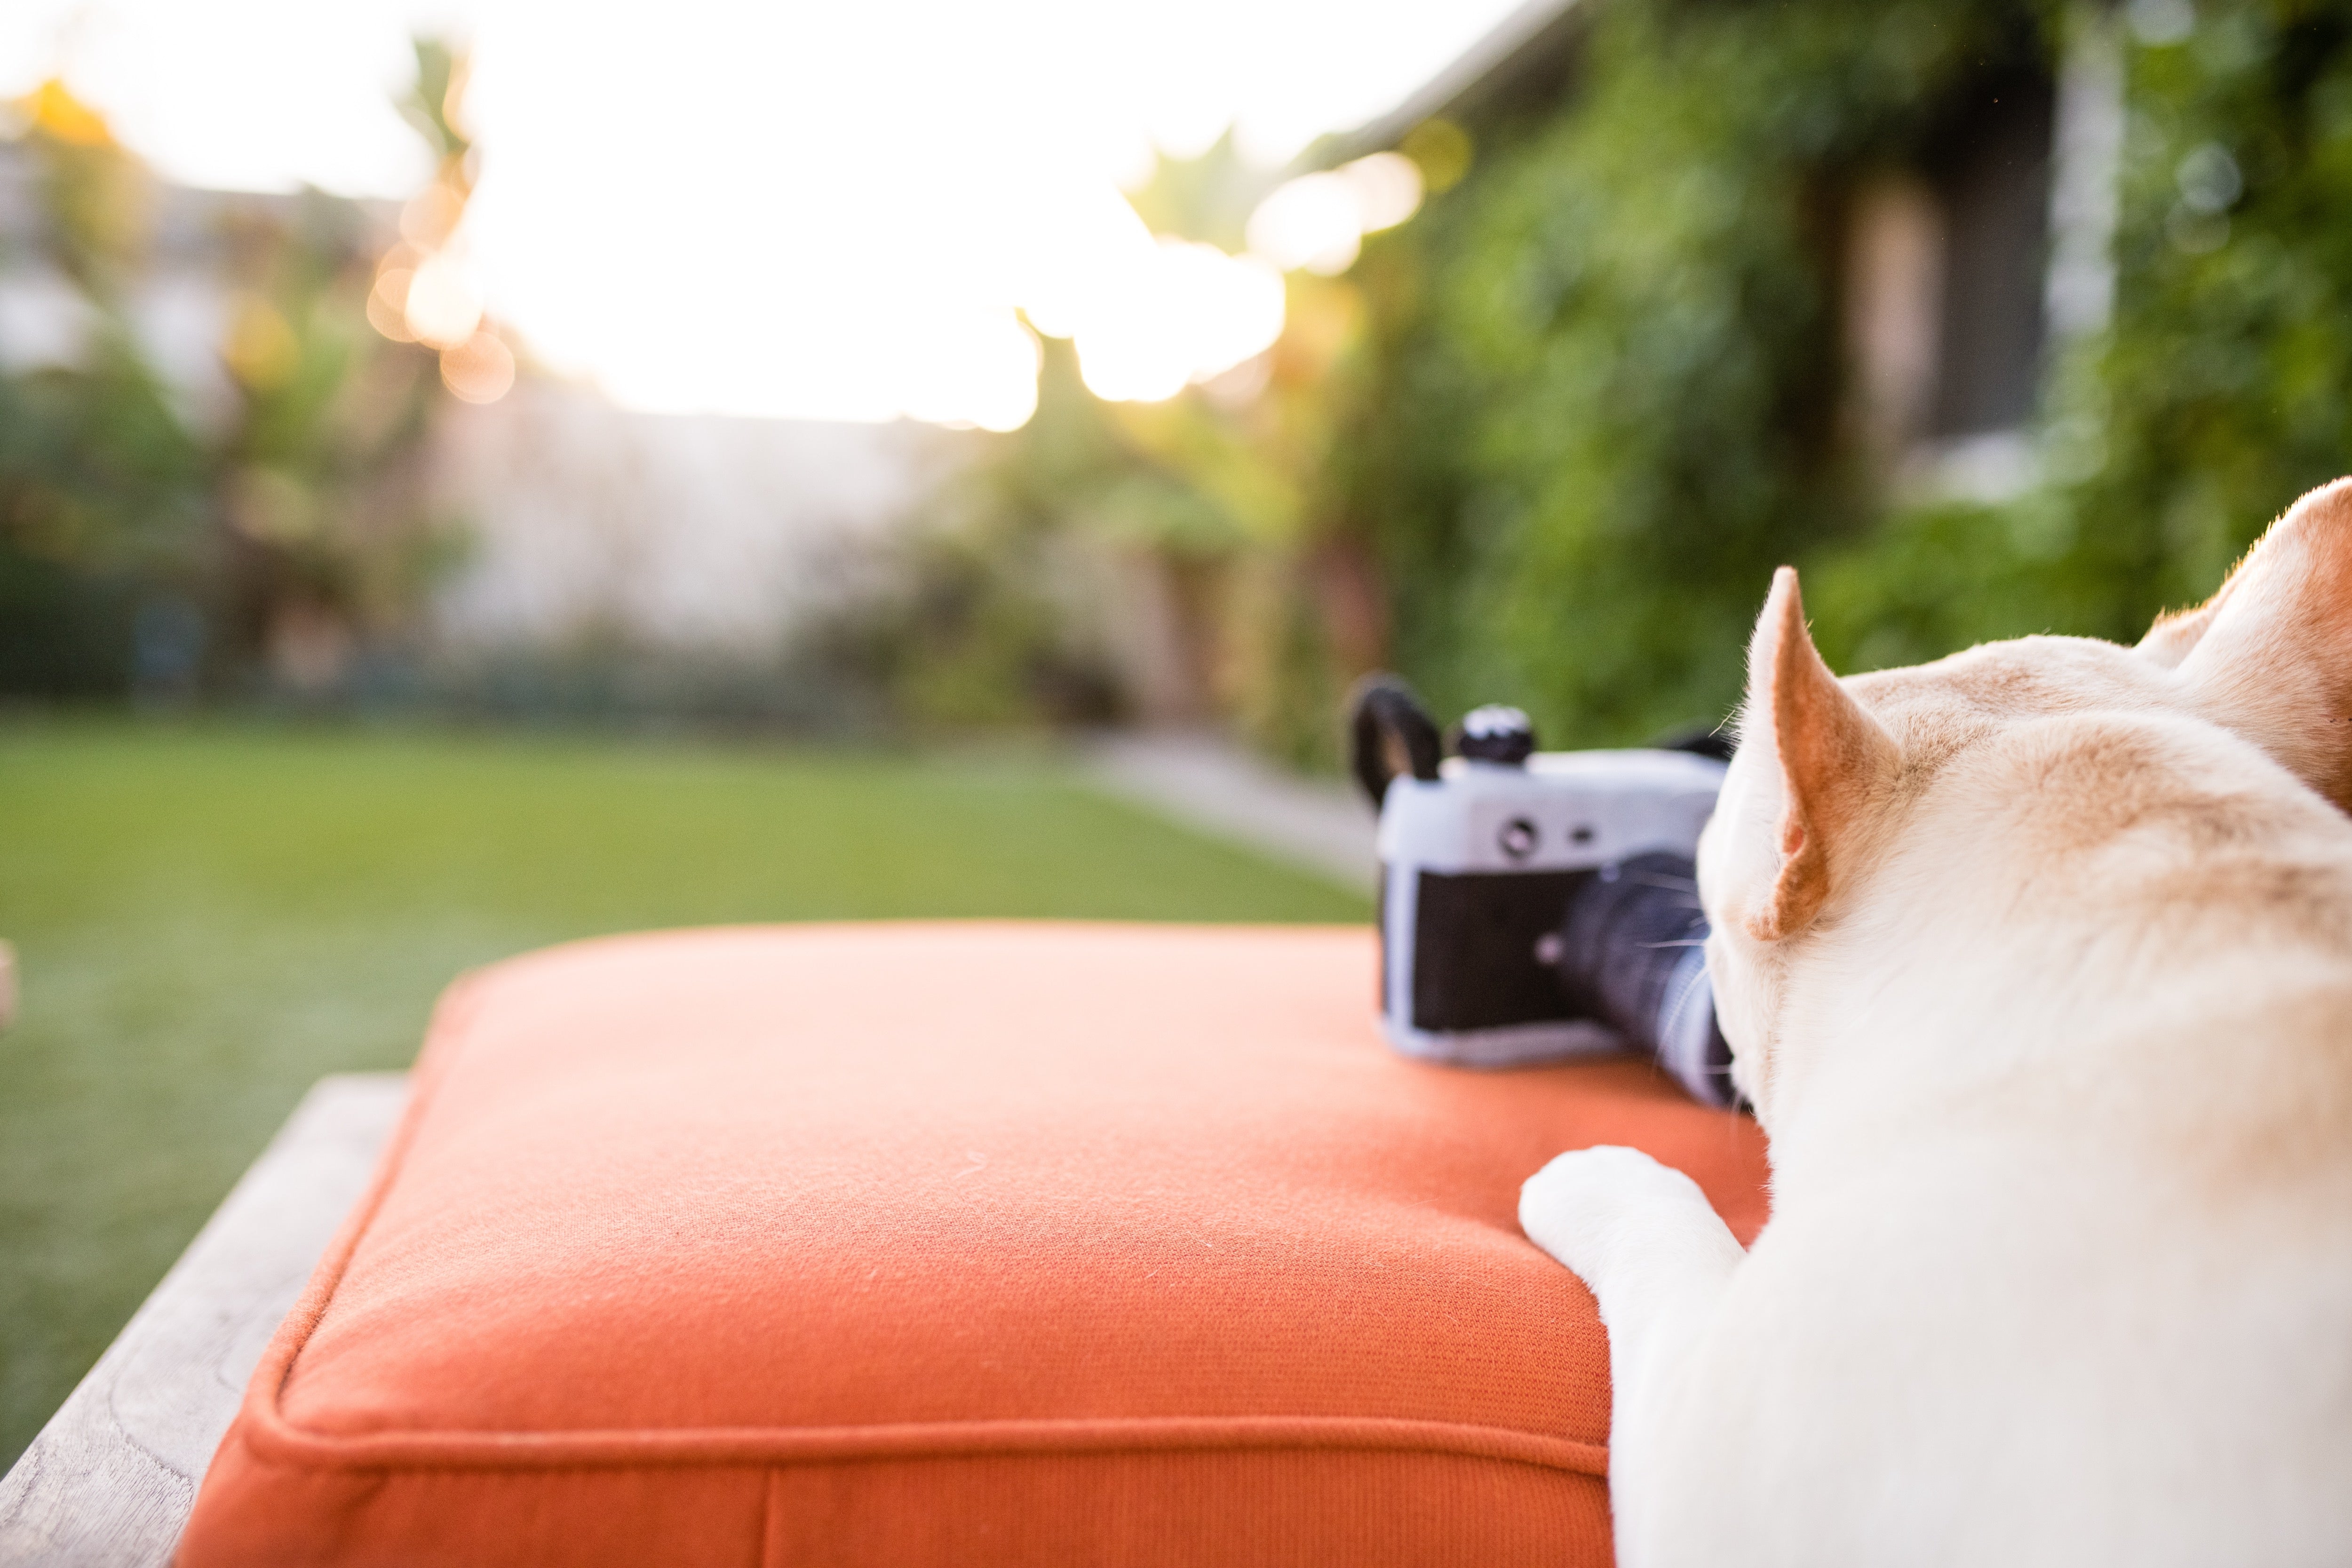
[209,918]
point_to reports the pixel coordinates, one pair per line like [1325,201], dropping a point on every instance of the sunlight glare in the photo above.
[1184,314]
[1386,186]
[1318,221]
[982,371]
[1315,221]
[803,212]
[444,304]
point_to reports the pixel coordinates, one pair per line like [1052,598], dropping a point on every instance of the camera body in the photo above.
[1477,866]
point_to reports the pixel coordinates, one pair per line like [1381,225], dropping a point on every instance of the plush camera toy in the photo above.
[1537,905]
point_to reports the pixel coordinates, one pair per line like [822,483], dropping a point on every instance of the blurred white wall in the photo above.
[690,531]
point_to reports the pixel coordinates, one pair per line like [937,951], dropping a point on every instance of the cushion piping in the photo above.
[272,1435]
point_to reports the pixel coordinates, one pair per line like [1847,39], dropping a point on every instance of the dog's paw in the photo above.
[1589,1204]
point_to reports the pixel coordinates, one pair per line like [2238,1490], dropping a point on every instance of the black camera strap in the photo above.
[1388,733]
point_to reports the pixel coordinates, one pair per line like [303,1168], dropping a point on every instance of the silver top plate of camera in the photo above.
[1559,811]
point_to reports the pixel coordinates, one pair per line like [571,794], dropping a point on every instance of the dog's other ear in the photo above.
[2270,656]
[1837,763]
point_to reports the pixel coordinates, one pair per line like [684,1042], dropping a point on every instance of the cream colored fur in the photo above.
[2037,965]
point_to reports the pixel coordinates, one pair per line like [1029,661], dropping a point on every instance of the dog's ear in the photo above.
[2270,656]
[1836,762]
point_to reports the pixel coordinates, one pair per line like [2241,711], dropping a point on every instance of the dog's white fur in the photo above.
[2037,966]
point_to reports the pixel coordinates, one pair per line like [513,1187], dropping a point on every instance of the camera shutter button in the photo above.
[1495,735]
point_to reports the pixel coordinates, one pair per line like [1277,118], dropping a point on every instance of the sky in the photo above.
[785,209]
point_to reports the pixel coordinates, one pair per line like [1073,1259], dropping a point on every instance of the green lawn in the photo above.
[209,918]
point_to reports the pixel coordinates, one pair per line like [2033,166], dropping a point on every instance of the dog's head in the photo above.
[1832,776]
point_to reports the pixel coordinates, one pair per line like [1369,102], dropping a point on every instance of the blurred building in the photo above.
[1962,255]
[689,532]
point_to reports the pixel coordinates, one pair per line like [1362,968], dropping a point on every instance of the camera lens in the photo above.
[1517,838]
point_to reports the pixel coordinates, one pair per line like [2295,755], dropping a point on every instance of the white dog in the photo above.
[2037,966]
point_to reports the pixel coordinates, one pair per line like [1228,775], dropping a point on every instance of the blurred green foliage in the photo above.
[1610,355]
[97,468]
[2223,390]
[1615,374]
[431,104]
[101,481]
[2226,389]
[319,479]
[1545,442]
[156,537]
[1209,506]
[990,613]
[1207,198]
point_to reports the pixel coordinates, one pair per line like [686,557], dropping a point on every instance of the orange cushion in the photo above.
[948,1244]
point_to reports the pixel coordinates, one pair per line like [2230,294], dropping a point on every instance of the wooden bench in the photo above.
[109,1481]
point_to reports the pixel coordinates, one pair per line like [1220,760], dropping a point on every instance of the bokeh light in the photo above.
[444,303]
[479,370]
[1315,221]
[1387,187]
[387,304]
[1318,221]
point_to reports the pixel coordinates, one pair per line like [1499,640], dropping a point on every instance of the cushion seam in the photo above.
[726,1448]
[815,1461]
